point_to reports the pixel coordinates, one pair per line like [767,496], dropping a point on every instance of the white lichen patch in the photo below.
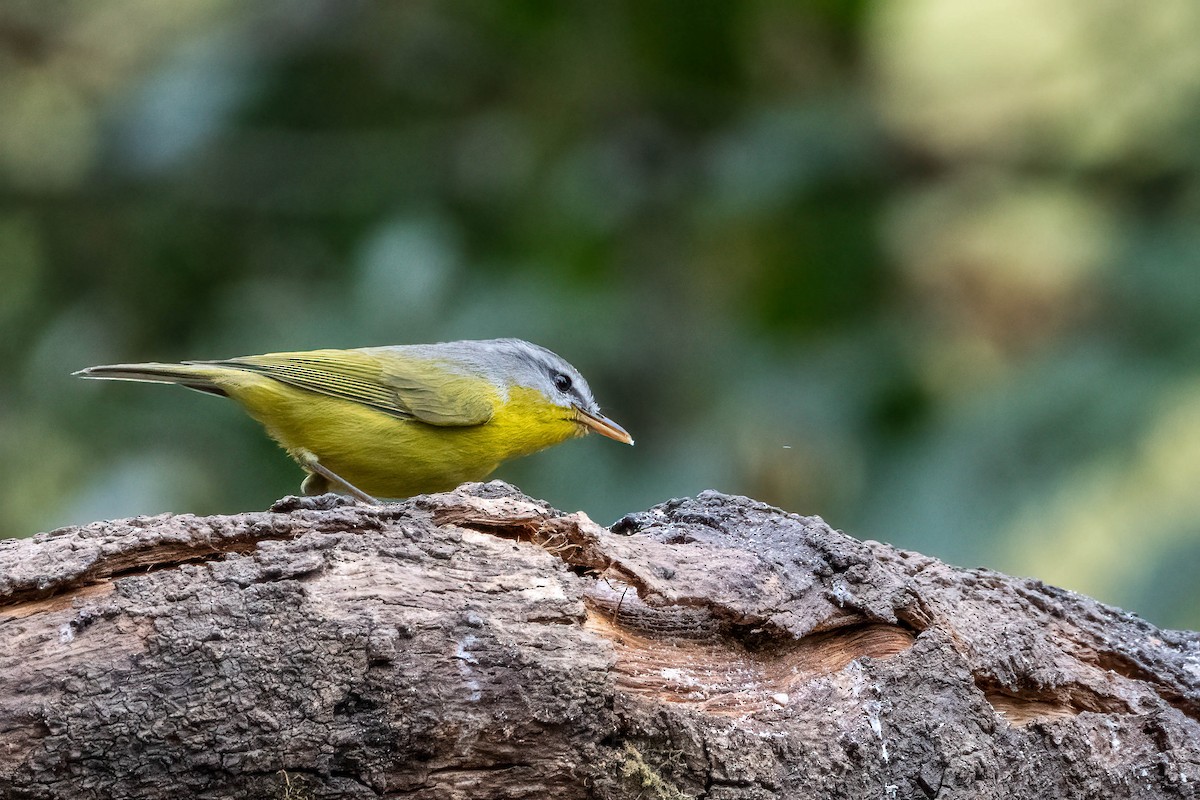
[466,667]
[544,589]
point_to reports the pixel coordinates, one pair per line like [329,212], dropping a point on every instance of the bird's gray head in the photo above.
[515,362]
[527,364]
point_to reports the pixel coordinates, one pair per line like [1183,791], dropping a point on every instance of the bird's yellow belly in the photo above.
[390,457]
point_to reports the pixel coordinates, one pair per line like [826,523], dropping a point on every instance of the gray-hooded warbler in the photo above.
[402,420]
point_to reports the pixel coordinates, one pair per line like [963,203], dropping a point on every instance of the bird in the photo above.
[400,420]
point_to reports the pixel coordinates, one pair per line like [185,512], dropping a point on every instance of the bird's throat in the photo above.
[526,423]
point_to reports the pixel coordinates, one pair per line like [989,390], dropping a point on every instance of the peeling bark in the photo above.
[479,644]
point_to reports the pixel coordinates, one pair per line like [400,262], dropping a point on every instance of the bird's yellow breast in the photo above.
[386,456]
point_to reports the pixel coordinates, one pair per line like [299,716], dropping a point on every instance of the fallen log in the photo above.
[480,644]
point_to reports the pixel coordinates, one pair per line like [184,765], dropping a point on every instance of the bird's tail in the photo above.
[193,376]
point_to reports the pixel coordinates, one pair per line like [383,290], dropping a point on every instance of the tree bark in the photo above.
[479,644]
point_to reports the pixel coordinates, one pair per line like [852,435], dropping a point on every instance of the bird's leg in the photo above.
[310,462]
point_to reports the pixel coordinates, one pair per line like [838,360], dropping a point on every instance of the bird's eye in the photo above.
[562,382]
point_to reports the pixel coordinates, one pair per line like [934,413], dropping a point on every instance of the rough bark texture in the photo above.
[479,644]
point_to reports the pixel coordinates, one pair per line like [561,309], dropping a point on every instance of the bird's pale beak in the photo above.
[602,425]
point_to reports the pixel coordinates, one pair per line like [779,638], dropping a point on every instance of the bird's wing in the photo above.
[403,386]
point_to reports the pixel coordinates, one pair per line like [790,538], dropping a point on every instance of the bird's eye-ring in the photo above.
[562,382]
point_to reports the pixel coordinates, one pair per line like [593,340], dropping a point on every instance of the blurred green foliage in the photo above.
[924,267]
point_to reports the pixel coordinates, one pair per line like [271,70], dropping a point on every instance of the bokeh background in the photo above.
[926,268]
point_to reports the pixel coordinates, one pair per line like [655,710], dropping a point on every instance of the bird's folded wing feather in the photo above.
[405,387]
